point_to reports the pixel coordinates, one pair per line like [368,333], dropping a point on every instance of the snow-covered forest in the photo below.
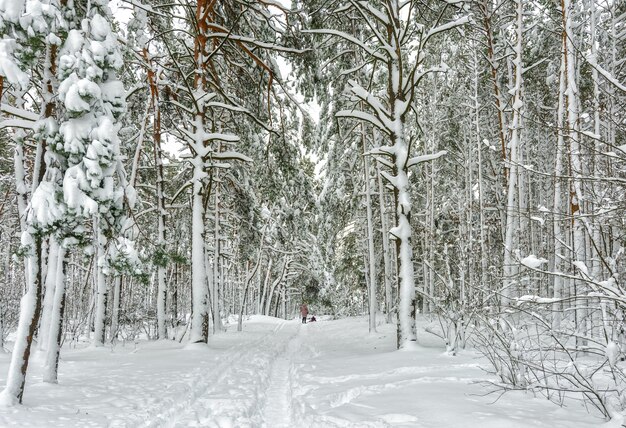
[442,182]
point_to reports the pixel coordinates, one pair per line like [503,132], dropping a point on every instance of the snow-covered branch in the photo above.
[349,38]
[425,158]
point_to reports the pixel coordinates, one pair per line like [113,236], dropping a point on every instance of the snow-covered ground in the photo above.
[279,374]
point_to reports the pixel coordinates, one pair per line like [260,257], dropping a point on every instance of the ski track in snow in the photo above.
[194,408]
[282,374]
[207,404]
[277,412]
[198,413]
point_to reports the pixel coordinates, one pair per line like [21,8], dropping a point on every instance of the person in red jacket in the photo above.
[304,311]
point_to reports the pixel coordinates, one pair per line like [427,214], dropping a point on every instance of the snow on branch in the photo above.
[350,39]
[230,155]
[361,115]
[365,95]
[390,178]
[230,107]
[145,7]
[213,136]
[362,7]
[533,262]
[537,299]
[445,27]
[382,150]
[425,158]
[17,123]
[611,79]
[19,113]
[380,16]
[384,161]
[257,43]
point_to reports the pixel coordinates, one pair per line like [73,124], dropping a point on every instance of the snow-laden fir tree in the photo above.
[93,98]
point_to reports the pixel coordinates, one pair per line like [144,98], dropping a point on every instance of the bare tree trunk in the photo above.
[481,200]
[276,282]
[56,319]
[51,278]
[30,309]
[161,231]
[217,278]
[101,284]
[370,237]
[249,277]
[265,286]
[386,247]
[509,289]
[557,210]
[573,139]
[115,312]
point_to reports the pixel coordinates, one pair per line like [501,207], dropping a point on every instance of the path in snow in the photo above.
[277,412]
[226,393]
[232,398]
[276,374]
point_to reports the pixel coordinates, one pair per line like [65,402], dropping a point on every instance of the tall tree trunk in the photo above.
[509,290]
[51,278]
[160,203]
[56,319]
[249,277]
[199,314]
[402,232]
[386,247]
[264,290]
[30,308]
[217,277]
[481,197]
[277,281]
[115,312]
[101,284]
[370,237]
[573,140]
[557,211]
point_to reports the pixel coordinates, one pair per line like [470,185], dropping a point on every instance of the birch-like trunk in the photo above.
[509,290]
[481,200]
[264,290]
[386,247]
[56,319]
[115,312]
[370,237]
[573,140]
[217,278]
[557,210]
[160,203]
[275,283]
[402,232]
[101,284]
[595,240]
[51,278]
[199,314]
[249,277]
[30,308]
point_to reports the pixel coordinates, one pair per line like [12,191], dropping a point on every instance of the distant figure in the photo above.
[312,319]
[304,311]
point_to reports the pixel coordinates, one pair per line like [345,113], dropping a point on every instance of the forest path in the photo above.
[276,373]
[240,384]
[277,411]
[232,386]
